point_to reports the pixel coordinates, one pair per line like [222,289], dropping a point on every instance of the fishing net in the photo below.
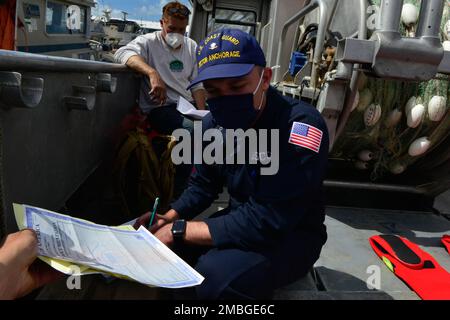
[396,123]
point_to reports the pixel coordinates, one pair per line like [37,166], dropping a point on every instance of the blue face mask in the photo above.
[235,111]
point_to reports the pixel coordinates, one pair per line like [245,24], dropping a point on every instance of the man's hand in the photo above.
[165,235]
[159,222]
[158,92]
[200,98]
[197,234]
[19,275]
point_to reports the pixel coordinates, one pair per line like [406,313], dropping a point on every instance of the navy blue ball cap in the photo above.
[227,53]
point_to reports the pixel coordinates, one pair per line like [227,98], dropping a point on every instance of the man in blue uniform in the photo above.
[273,229]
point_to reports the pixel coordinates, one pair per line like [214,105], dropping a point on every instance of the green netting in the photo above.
[417,3]
[390,146]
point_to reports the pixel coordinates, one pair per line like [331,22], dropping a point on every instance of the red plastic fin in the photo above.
[446,242]
[405,252]
[430,281]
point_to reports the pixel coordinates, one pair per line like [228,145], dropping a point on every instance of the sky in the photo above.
[137,9]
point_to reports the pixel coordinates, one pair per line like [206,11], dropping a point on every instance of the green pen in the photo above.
[155,207]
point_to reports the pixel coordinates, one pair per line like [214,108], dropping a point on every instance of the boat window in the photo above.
[226,18]
[65,19]
[121,26]
[129,28]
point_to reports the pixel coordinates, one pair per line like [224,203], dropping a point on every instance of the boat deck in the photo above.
[341,272]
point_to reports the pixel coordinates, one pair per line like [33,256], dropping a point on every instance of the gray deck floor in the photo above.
[344,262]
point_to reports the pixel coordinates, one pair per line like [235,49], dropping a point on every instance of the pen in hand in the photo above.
[152,218]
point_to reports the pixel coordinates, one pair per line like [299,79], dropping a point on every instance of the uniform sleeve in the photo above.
[137,47]
[205,185]
[282,203]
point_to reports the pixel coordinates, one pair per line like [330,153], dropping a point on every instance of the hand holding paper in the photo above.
[187,109]
[121,251]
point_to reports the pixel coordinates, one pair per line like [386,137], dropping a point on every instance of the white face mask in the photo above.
[174,40]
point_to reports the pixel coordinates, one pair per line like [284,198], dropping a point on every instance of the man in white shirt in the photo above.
[167,60]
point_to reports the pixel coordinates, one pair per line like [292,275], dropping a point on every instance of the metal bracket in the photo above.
[304,72]
[355,51]
[405,58]
[444,67]
[330,105]
[392,56]
[106,83]
[18,91]
[83,98]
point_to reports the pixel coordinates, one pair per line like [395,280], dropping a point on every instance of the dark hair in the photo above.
[176,9]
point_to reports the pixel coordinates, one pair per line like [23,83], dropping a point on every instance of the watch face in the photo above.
[179,228]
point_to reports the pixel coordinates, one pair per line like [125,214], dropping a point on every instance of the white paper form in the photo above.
[134,254]
[186,108]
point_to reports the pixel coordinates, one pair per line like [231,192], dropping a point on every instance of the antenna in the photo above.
[125,14]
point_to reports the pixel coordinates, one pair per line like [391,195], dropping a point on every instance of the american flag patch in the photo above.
[306,136]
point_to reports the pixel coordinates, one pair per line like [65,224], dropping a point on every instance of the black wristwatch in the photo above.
[179,230]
